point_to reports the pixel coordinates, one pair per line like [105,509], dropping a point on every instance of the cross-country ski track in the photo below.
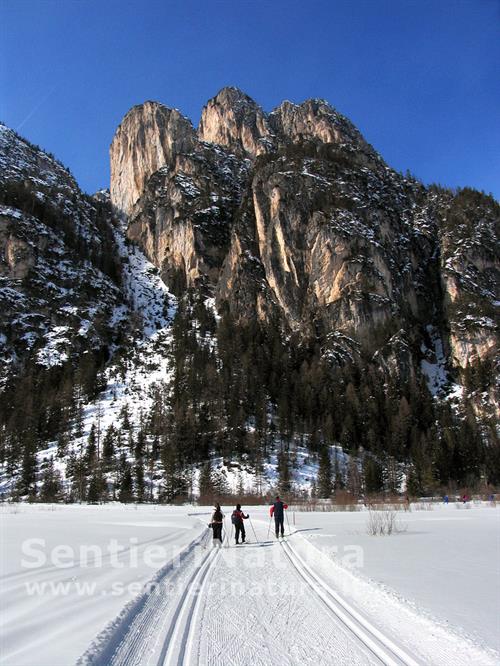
[259,603]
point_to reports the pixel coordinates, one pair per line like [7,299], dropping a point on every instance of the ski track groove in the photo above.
[272,629]
[187,606]
[134,645]
[128,639]
[192,623]
[371,637]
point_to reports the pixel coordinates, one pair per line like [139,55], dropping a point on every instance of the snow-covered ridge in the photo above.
[19,159]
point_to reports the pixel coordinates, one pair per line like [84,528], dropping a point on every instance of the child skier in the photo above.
[277,509]
[216,524]
[237,519]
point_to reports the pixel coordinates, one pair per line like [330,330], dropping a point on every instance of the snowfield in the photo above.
[126,584]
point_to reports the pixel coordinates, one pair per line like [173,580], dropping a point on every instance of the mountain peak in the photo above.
[235,120]
[232,95]
[149,135]
[315,119]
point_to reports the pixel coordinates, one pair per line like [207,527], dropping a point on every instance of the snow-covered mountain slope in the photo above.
[323,303]
[138,316]
[57,260]
[83,310]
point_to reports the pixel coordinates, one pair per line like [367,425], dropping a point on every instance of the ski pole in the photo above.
[205,541]
[226,537]
[253,528]
[288,521]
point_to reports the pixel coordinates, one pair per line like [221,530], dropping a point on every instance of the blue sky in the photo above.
[421,79]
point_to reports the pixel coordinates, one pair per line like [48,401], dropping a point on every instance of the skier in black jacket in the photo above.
[237,519]
[216,524]
[278,511]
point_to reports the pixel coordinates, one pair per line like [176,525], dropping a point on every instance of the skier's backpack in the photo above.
[235,518]
[217,517]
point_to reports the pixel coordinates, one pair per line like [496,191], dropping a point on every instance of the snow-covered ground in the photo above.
[143,585]
[440,575]
[51,626]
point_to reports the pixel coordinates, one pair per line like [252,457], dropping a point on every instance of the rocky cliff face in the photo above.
[330,257]
[183,218]
[149,136]
[293,218]
[315,120]
[469,228]
[58,283]
[234,120]
[18,255]
[470,271]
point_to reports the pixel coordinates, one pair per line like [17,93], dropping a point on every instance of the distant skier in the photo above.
[237,518]
[278,511]
[446,499]
[216,524]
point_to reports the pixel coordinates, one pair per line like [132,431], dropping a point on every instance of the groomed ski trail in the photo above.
[260,611]
[234,606]
[159,620]
[260,604]
[381,646]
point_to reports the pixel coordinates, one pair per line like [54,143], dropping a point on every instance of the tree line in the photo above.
[240,393]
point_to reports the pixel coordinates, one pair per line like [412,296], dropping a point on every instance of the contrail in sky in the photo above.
[36,107]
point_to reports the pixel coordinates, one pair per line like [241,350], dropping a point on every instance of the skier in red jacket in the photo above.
[237,518]
[277,510]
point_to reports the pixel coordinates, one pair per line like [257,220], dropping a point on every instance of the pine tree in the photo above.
[392,474]
[220,483]
[125,417]
[324,485]
[139,480]
[259,472]
[125,483]
[206,484]
[92,446]
[78,467]
[51,489]
[62,445]
[96,491]
[108,448]
[29,465]
[284,474]
[373,473]
[140,444]
[174,482]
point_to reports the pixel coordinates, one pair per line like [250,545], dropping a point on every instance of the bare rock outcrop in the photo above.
[17,253]
[183,218]
[149,136]
[315,120]
[470,275]
[232,119]
[329,257]
[293,219]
